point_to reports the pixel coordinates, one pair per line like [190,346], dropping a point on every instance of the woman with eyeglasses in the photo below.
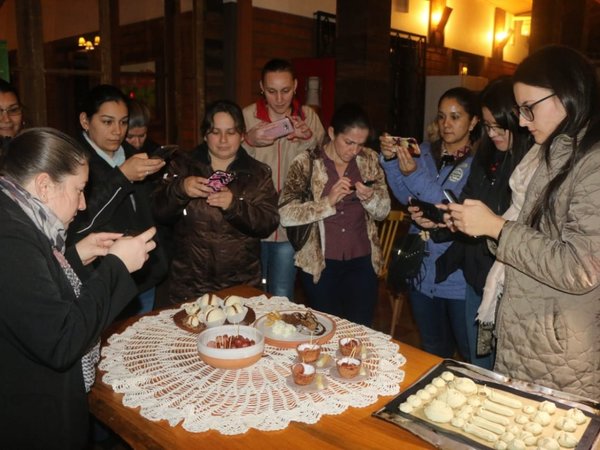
[547,319]
[501,148]
[11,113]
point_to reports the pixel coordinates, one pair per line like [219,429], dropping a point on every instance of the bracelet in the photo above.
[391,158]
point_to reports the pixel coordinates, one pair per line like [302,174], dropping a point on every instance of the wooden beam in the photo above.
[109,41]
[173,77]
[244,57]
[32,81]
[199,66]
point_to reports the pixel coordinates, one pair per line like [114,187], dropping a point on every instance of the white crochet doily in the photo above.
[155,364]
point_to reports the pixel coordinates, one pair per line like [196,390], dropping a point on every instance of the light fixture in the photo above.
[88,45]
[438,19]
[463,69]
[500,40]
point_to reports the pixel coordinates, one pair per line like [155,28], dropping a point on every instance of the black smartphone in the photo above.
[430,211]
[367,183]
[450,196]
[165,152]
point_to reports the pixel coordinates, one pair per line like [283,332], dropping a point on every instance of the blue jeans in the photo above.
[347,289]
[277,265]
[472,302]
[441,323]
[144,301]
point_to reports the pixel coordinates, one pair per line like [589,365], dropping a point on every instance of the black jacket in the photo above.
[118,205]
[44,332]
[216,248]
[472,254]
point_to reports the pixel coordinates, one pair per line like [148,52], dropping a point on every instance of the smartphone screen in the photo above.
[165,152]
[408,143]
[279,128]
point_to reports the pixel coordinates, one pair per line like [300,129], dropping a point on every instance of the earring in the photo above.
[262,92]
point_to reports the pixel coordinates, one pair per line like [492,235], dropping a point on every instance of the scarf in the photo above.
[494,283]
[52,227]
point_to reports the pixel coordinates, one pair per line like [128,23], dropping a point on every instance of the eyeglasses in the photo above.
[526,111]
[495,128]
[12,111]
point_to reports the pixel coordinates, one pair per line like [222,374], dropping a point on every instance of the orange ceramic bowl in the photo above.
[230,358]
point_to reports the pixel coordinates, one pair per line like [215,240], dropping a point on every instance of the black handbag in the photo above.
[298,234]
[405,260]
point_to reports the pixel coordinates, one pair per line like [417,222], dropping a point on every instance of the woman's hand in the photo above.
[94,245]
[133,251]
[474,218]
[417,216]
[139,166]
[406,162]
[197,187]
[256,136]
[221,199]
[301,130]
[363,193]
[339,190]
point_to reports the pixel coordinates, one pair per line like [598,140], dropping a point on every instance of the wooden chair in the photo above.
[387,237]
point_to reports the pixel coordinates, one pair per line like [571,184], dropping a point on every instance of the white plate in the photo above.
[297,338]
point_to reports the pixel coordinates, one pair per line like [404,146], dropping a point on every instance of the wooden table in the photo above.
[353,429]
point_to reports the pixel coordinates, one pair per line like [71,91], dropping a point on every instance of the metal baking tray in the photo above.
[443,438]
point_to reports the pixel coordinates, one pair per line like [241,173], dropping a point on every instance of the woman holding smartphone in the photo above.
[221,202]
[271,141]
[118,191]
[501,149]
[438,308]
[342,256]
[547,318]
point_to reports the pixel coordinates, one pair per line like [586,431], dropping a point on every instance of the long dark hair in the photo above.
[498,97]
[39,150]
[225,106]
[572,78]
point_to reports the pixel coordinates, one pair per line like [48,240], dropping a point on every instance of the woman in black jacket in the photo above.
[502,148]
[221,202]
[118,191]
[53,309]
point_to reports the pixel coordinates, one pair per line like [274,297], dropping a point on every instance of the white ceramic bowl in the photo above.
[230,358]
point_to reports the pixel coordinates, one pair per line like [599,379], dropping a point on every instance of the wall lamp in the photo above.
[501,35]
[88,45]
[439,15]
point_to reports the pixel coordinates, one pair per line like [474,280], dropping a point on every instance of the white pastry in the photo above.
[547,406]
[406,407]
[505,400]
[465,385]
[541,417]
[458,422]
[566,424]
[414,401]
[497,408]
[507,437]
[547,443]
[500,445]
[423,395]
[528,438]
[493,417]
[522,419]
[567,440]
[480,432]
[484,391]
[453,398]
[465,412]
[431,389]
[438,411]
[234,300]
[516,444]
[488,425]
[528,409]
[473,401]
[447,376]
[577,415]
[438,382]
[533,428]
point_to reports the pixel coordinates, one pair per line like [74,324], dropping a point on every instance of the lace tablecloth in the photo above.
[155,364]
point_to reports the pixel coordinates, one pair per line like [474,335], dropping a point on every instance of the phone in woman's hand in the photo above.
[219,179]
[165,152]
[429,210]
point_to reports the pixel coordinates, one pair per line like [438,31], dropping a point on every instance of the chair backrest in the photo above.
[387,236]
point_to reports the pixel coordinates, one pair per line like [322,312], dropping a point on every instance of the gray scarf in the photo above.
[52,227]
